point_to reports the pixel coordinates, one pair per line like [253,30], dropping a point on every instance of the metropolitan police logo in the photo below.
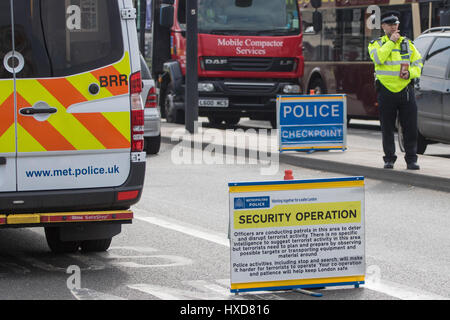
[239,203]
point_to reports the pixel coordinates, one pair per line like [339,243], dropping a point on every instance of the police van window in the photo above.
[32,60]
[5,36]
[81,35]
[437,57]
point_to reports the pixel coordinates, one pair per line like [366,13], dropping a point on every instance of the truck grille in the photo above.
[249,87]
[248,64]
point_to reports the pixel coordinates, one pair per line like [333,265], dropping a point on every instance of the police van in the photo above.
[71,119]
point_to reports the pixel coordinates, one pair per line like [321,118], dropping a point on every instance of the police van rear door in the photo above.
[73,102]
[7,122]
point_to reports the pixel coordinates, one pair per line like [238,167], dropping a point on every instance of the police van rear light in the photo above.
[136,83]
[137,130]
[151,98]
[127,195]
[137,113]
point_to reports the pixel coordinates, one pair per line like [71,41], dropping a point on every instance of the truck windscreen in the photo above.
[261,17]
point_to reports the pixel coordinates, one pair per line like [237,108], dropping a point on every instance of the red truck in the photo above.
[249,51]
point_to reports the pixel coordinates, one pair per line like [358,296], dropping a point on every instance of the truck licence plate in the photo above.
[219,103]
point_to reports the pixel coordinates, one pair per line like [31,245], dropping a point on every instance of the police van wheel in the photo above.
[56,245]
[96,245]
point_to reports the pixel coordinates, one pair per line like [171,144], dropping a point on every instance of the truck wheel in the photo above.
[153,144]
[215,121]
[318,86]
[172,114]
[162,102]
[55,243]
[232,121]
[95,245]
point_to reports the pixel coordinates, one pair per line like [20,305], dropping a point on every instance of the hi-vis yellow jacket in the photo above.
[388,58]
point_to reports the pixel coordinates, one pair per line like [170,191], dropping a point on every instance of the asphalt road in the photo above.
[177,247]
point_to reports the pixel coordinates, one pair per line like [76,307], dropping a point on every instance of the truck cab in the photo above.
[249,51]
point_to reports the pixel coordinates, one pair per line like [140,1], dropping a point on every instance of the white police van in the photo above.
[71,119]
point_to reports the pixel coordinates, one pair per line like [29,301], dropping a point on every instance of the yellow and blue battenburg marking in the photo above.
[347,182]
[312,122]
[264,202]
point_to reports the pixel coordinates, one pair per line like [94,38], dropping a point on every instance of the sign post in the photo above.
[312,122]
[191,94]
[297,234]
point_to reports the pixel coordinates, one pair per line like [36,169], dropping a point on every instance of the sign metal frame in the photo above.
[316,125]
[264,191]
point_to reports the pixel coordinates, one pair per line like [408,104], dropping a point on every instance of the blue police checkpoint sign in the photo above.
[312,122]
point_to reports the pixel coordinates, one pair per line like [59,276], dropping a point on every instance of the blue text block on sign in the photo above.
[312,122]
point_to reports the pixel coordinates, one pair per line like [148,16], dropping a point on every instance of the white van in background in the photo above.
[152,115]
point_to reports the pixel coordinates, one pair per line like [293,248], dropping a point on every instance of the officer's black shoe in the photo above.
[412,166]
[389,165]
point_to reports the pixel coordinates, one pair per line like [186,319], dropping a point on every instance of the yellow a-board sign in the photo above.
[297,233]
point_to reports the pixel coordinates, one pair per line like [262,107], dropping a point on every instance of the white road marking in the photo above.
[165,293]
[204,285]
[89,294]
[383,286]
[400,291]
[185,228]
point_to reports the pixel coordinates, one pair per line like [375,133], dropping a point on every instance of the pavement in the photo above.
[363,157]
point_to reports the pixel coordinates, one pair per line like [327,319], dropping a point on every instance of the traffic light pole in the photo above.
[191,98]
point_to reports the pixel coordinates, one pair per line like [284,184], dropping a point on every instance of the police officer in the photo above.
[397,63]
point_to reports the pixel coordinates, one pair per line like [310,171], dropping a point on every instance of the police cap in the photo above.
[390,17]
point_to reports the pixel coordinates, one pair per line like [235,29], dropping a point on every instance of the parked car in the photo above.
[433,89]
[152,115]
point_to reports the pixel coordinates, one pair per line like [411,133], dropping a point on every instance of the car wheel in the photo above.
[422,142]
[153,144]
[99,245]
[56,245]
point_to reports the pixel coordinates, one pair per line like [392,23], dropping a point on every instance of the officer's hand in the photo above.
[395,36]
[404,75]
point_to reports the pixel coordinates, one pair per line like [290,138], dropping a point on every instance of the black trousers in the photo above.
[402,103]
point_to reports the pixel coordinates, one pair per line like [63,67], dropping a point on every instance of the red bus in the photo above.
[336,57]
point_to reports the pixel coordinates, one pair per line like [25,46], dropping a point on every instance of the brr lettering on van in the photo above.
[113,80]
[312,111]
[73,21]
